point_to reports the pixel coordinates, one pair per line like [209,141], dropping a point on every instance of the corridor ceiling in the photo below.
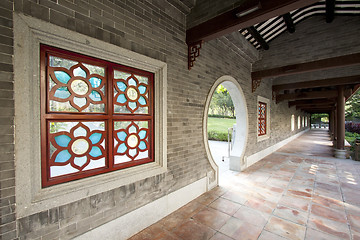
[270,29]
[260,22]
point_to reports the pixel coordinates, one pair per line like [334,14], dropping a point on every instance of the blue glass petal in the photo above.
[132,82]
[95,152]
[79,72]
[121,98]
[132,105]
[142,100]
[121,86]
[142,89]
[142,145]
[95,137]
[62,140]
[122,135]
[95,82]
[142,134]
[62,92]
[95,96]
[80,161]
[122,148]
[62,76]
[63,156]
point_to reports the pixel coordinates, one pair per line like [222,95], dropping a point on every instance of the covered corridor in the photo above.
[299,192]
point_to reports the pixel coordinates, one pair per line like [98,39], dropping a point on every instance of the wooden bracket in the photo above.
[274,93]
[193,53]
[255,84]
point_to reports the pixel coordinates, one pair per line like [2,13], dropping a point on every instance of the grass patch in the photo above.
[351,137]
[218,128]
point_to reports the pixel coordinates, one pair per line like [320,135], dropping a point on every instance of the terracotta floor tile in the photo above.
[211,218]
[328,213]
[206,198]
[285,228]
[252,216]
[261,205]
[172,221]
[315,190]
[237,197]
[354,221]
[352,209]
[301,186]
[265,235]
[193,230]
[336,229]
[329,194]
[295,202]
[328,202]
[241,230]
[292,215]
[299,193]
[190,209]
[166,236]
[225,206]
[312,234]
[220,236]
[355,234]
[143,235]
[218,191]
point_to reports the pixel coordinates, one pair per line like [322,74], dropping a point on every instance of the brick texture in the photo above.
[7,169]
[156,29]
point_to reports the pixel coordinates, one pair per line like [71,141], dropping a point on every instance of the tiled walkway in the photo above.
[295,193]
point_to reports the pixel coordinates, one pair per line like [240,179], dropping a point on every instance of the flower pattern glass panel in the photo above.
[97,116]
[75,86]
[76,146]
[131,141]
[262,119]
[131,93]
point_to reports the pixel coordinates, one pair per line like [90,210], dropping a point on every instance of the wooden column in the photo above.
[340,118]
[332,124]
[340,151]
[335,128]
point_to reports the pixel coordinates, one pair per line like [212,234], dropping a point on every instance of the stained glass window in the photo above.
[261,118]
[97,116]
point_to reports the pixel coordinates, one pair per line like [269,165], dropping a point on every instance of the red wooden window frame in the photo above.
[262,108]
[108,117]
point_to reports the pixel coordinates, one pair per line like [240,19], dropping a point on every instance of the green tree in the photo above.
[352,107]
[319,117]
[221,102]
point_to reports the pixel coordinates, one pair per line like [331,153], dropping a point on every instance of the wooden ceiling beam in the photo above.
[323,64]
[289,23]
[311,101]
[306,95]
[252,30]
[314,106]
[318,109]
[330,10]
[318,83]
[248,14]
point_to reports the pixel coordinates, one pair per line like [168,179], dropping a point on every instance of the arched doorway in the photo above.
[241,126]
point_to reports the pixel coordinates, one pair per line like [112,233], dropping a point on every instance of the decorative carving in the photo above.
[274,93]
[193,53]
[255,84]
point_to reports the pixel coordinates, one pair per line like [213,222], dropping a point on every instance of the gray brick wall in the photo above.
[7,169]
[207,9]
[157,29]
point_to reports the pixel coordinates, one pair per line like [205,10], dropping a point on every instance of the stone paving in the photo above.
[284,196]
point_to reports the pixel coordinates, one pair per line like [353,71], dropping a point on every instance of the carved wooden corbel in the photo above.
[193,53]
[255,84]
